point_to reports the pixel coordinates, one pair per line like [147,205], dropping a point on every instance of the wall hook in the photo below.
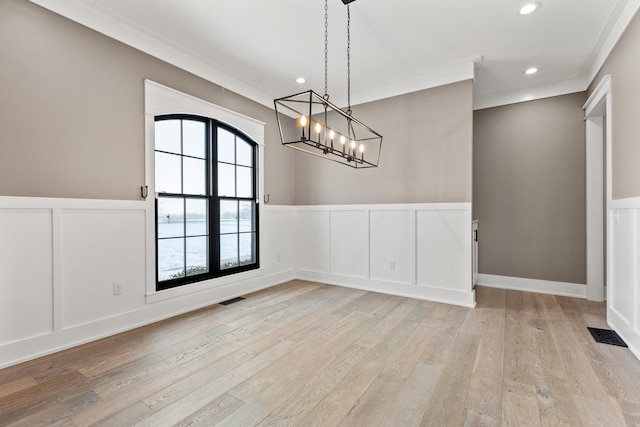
[266,199]
[144,191]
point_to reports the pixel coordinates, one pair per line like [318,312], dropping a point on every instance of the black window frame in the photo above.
[213,204]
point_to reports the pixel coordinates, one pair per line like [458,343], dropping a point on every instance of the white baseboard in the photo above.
[428,293]
[575,290]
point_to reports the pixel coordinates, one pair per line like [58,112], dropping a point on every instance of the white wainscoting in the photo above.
[623,280]
[416,250]
[59,259]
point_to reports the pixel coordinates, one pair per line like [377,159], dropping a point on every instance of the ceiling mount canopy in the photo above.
[322,128]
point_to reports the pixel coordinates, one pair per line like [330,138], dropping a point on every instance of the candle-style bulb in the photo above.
[303,123]
[362,152]
[343,141]
[318,127]
[332,134]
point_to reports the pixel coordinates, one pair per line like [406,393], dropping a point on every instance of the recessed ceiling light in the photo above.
[530,71]
[528,8]
[300,80]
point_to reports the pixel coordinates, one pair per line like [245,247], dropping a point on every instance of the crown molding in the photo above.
[612,39]
[91,15]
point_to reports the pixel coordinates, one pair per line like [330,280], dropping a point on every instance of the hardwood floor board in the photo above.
[161,390]
[517,351]
[215,344]
[223,384]
[304,327]
[491,299]
[531,306]
[310,354]
[519,405]
[41,397]
[550,307]
[379,397]
[158,362]
[436,313]
[289,374]
[484,400]
[471,418]
[444,337]
[202,396]
[408,407]
[383,342]
[597,413]
[552,385]
[213,413]
[56,410]
[446,405]
[514,304]
[81,357]
[16,386]
[219,320]
[318,386]
[365,303]
[127,416]
[581,377]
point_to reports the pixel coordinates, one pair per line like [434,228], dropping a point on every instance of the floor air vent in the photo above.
[607,336]
[231,301]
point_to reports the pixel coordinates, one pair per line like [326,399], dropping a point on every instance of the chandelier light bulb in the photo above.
[332,134]
[303,121]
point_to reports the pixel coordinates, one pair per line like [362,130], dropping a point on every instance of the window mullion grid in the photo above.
[214,201]
[184,200]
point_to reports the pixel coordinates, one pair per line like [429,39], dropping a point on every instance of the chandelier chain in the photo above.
[326,49]
[348,61]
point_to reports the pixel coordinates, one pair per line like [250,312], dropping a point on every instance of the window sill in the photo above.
[205,285]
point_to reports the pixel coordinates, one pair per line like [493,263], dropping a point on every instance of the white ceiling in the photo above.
[258,47]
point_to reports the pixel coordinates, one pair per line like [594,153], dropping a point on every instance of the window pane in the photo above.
[170,217]
[244,153]
[170,259]
[246,248]
[228,216]
[193,138]
[168,179]
[197,255]
[246,216]
[226,146]
[245,181]
[197,217]
[194,176]
[168,136]
[228,251]
[226,180]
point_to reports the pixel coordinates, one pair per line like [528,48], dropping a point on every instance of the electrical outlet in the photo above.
[278,257]
[117,289]
[392,265]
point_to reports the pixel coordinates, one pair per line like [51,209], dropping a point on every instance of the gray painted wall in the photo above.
[72,111]
[529,189]
[624,66]
[426,153]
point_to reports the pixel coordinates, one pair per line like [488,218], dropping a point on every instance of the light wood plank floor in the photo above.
[316,355]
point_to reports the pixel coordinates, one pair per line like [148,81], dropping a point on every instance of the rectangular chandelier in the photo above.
[326,131]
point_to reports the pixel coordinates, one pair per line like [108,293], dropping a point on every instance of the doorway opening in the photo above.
[598,187]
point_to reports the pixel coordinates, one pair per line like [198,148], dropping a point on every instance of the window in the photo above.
[206,211]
